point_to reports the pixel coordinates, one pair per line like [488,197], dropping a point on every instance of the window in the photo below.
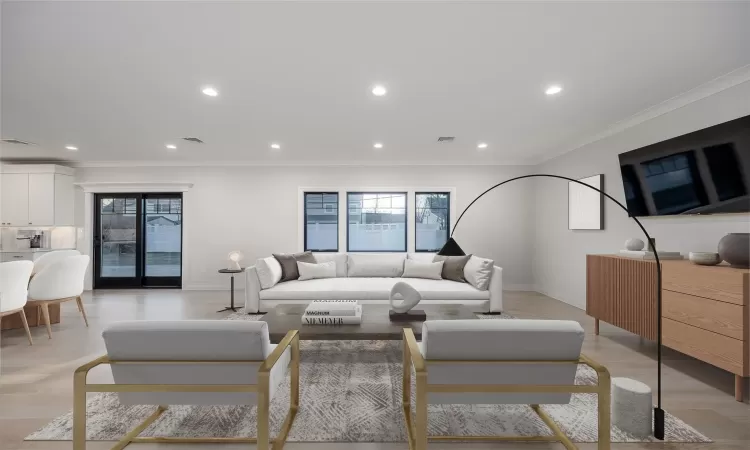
[432,220]
[376,221]
[322,221]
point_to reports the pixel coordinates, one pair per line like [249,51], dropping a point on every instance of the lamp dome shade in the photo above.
[451,248]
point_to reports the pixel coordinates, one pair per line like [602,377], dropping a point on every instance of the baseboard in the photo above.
[211,287]
[518,287]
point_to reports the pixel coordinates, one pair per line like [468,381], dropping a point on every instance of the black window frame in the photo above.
[406,221]
[304,221]
[447,219]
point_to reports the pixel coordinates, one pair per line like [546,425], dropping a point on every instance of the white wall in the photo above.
[255,210]
[559,254]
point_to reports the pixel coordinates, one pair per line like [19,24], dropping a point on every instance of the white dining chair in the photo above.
[49,258]
[59,282]
[14,282]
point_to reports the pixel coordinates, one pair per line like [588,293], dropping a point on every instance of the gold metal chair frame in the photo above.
[417,428]
[291,340]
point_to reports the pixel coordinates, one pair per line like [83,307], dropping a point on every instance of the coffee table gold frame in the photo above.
[291,340]
[417,428]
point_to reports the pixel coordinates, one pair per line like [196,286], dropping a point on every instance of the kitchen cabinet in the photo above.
[36,195]
[14,199]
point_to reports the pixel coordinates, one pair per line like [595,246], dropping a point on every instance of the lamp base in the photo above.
[659,423]
[415,315]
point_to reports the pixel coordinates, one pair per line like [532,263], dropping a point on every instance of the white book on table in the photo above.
[355,319]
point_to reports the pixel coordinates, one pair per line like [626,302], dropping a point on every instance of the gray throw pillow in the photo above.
[288,262]
[453,267]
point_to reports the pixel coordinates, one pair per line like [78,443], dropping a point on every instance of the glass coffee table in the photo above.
[375,324]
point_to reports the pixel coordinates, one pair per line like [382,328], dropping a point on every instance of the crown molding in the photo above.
[135,164]
[110,187]
[726,81]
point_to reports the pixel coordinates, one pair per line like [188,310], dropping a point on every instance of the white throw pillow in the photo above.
[376,265]
[421,257]
[416,269]
[309,271]
[269,272]
[339,258]
[478,272]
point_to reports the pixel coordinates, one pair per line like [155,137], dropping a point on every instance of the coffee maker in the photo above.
[35,240]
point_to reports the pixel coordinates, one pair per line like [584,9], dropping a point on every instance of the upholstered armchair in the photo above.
[199,362]
[529,362]
[14,281]
[49,258]
[59,281]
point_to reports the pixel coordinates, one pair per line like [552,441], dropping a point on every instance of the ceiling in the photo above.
[120,80]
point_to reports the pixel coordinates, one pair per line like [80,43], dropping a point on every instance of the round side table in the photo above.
[231,272]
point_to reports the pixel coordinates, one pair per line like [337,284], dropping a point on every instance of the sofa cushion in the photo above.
[376,265]
[428,270]
[269,271]
[370,289]
[309,271]
[341,260]
[478,272]
[453,269]
[288,263]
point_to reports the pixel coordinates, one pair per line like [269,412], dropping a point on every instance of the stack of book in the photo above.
[332,312]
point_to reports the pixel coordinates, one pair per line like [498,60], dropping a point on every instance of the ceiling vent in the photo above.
[16,141]
[193,139]
[446,138]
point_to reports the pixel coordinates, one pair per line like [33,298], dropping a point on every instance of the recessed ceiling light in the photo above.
[378,145]
[210,91]
[379,90]
[171,146]
[275,146]
[482,145]
[72,148]
[554,89]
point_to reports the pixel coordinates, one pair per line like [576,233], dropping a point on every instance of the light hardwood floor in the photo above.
[36,382]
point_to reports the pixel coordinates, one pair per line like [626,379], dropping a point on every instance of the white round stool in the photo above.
[632,407]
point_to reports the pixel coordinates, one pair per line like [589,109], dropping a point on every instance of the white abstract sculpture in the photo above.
[411,297]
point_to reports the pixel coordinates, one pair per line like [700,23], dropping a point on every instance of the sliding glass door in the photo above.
[138,240]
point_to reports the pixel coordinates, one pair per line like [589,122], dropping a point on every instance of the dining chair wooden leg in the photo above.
[26,325]
[45,313]
[79,301]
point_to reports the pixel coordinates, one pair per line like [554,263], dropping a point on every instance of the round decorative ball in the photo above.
[411,297]
[634,244]
[734,248]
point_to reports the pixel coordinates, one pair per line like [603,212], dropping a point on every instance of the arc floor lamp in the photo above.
[451,248]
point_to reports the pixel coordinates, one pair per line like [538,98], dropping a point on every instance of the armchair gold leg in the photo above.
[280,440]
[564,440]
[605,419]
[263,407]
[420,435]
[133,434]
[79,411]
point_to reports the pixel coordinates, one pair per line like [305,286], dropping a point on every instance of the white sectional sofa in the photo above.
[368,278]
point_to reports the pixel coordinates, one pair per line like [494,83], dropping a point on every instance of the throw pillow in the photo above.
[341,260]
[429,270]
[309,271]
[478,272]
[376,265]
[269,272]
[288,263]
[453,267]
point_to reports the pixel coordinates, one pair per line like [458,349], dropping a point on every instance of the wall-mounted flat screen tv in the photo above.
[703,172]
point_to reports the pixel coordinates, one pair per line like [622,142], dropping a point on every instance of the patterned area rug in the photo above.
[351,392]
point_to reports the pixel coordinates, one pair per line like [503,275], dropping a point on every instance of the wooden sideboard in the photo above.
[705,309]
